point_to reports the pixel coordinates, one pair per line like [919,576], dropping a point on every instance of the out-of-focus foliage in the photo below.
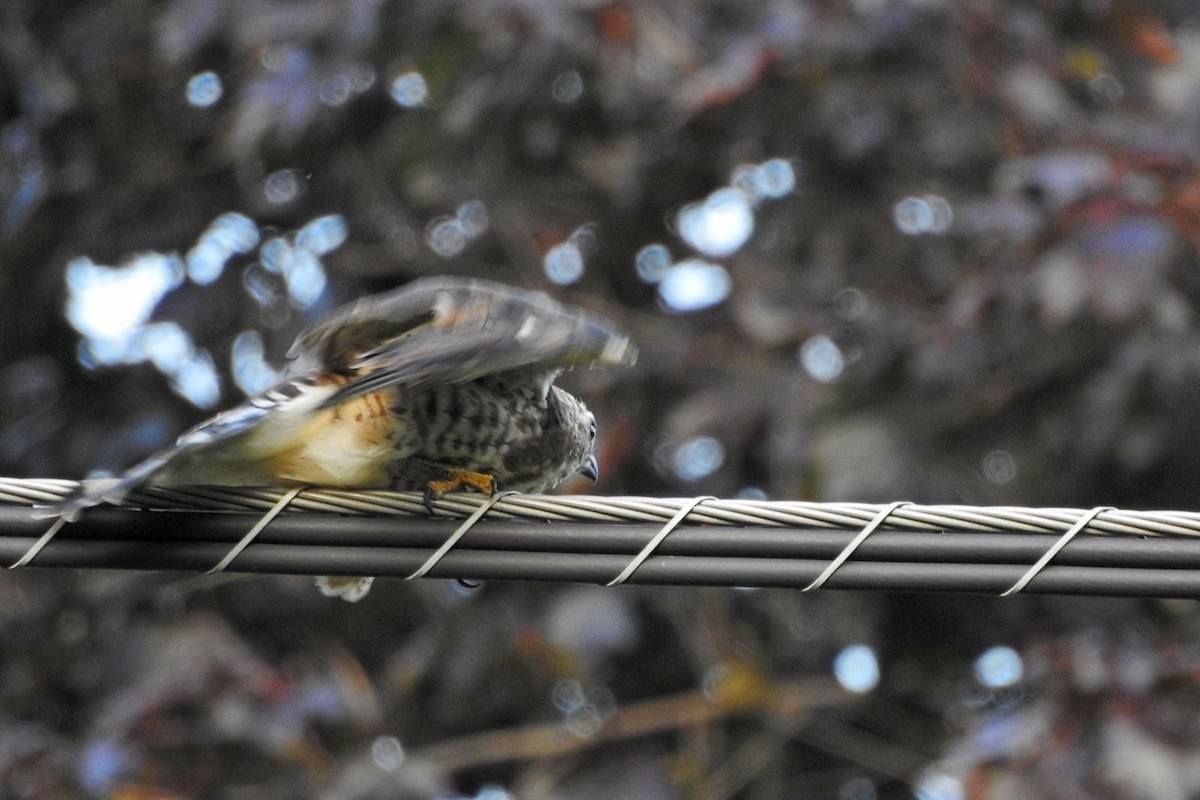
[870,250]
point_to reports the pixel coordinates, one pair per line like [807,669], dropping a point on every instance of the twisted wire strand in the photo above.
[649,510]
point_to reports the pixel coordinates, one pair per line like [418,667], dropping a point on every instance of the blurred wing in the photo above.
[452,330]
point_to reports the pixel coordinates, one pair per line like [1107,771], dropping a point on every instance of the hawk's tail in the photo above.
[95,491]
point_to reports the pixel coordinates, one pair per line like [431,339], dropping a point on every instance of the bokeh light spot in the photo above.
[769,180]
[931,214]
[856,668]
[362,76]
[652,262]
[305,278]
[387,753]
[693,285]
[234,233]
[164,344]
[999,467]
[102,763]
[276,255]
[567,87]
[108,305]
[336,90]
[999,667]
[251,372]
[205,262]
[850,303]
[822,359]
[196,379]
[912,215]
[1106,89]
[283,186]
[698,458]
[323,234]
[774,178]
[228,234]
[563,263]
[259,283]
[409,89]
[567,695]
[585,721]
[473,217]
[719,225]
[936,785]
[204,89]
[446,236]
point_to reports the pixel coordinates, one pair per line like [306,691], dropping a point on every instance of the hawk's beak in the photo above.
[590,469]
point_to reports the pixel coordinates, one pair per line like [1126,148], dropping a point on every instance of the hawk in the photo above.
[444,383]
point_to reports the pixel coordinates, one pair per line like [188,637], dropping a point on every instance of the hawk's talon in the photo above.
[457,479]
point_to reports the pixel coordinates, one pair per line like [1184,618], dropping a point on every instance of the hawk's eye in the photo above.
[592,431]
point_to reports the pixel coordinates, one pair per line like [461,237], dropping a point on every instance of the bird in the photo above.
[445,383]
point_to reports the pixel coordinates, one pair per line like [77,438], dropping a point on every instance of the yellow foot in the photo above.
[458,479]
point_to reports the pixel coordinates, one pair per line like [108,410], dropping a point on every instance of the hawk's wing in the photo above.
[436,330]
[452,330]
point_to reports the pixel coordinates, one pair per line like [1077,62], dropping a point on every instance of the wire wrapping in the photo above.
[918,548]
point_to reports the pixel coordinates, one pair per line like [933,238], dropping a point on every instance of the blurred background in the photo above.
[873,250]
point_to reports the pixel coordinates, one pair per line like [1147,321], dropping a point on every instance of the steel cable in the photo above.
[592,539]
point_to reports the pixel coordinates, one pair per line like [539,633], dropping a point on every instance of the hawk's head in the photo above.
[577,427]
